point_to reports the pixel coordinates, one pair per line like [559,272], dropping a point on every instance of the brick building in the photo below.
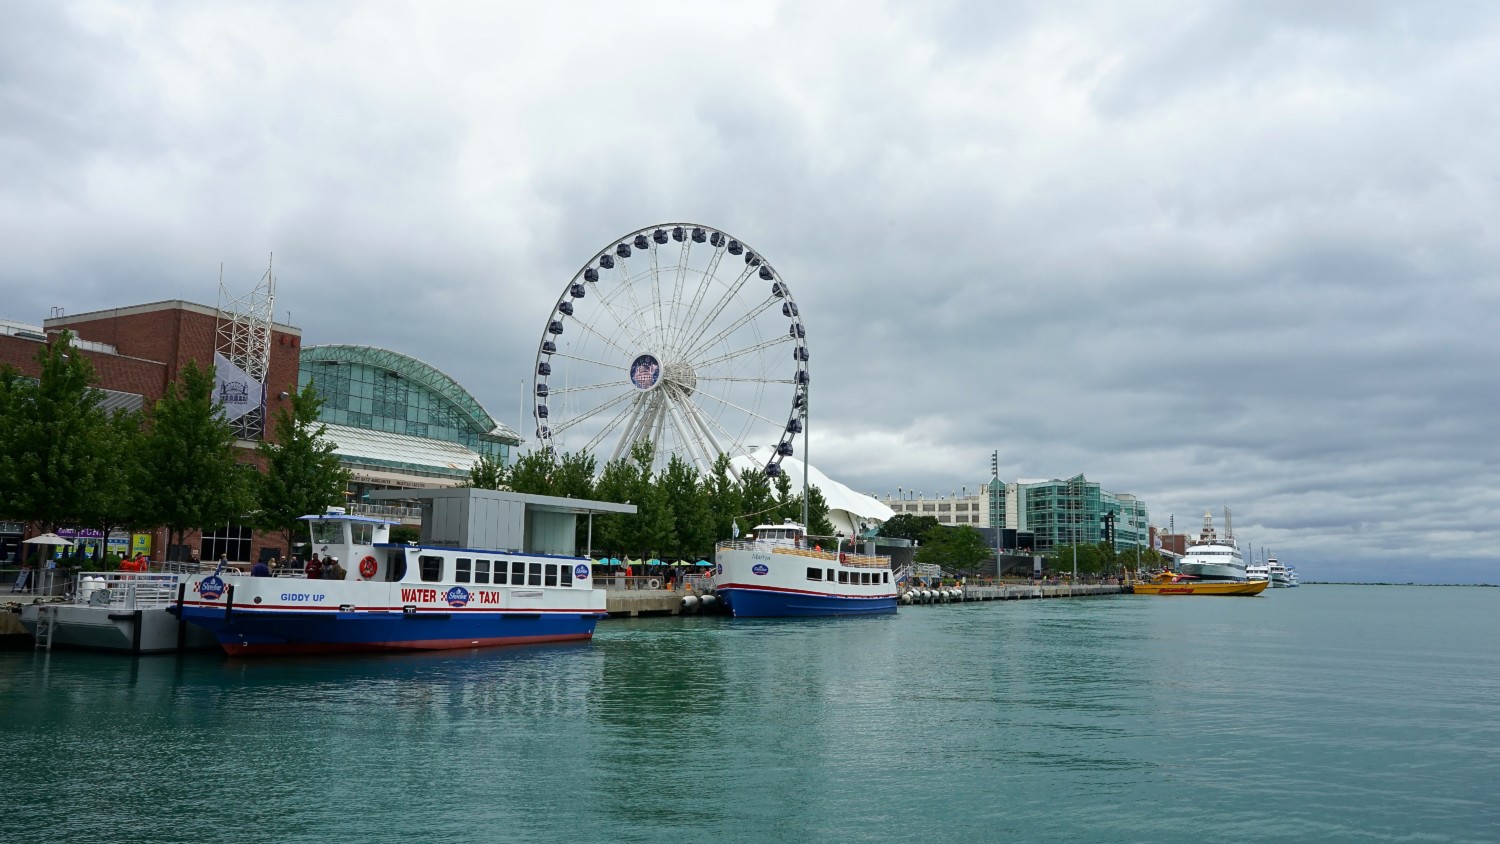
[136,352]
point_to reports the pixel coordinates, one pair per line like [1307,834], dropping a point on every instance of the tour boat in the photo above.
[776,571]
[439,594]
[1279,576]
[1168,583]
[1257,571]
[1213,558]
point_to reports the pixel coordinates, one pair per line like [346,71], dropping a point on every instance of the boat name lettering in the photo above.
[759,555]
[417,595]
[300,596]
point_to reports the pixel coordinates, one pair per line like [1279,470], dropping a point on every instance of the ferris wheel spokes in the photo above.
[687,325]
[563,426]
[728,356]
[724,300]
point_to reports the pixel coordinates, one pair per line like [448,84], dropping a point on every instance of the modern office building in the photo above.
[399,423]
[1054,512]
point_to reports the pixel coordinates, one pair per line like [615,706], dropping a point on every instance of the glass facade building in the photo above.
[392,413]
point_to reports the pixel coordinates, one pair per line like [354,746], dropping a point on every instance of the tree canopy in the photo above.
[303,474]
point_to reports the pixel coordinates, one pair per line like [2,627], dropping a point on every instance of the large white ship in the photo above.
[1213,558]
[1279,575]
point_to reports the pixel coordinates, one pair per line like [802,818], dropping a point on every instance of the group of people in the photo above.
[317,568]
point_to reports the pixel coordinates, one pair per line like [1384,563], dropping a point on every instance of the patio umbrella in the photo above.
[704,563]
[47,539]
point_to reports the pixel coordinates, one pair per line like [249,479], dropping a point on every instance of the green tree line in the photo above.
[66,462]
[681,511]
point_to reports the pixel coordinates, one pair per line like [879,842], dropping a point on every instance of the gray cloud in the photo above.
[1213,254]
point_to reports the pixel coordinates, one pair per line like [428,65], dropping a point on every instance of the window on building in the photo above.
[230,541]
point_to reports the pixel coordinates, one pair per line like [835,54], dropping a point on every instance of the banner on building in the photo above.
[140,543]
[237,393]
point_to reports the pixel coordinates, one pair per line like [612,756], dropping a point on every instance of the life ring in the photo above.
[367,567]
[653,583]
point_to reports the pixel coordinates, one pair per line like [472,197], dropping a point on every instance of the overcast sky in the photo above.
[1212,254]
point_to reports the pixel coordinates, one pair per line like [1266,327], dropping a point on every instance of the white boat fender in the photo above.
[708,600]
[689,601]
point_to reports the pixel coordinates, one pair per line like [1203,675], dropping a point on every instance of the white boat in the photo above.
[1279,577]
[776,571]
[1213,558]
[118,611]
[1258,571]
[492,568]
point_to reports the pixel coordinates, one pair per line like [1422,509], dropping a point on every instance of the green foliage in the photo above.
[962,548]
[52,436]
[401,534]
[1093,558]
[758,504]
[488,473]
[189,457]
[303,474]
[724,503]
[909,526]
[532,473]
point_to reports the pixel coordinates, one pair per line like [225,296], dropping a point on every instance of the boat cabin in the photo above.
[788,533]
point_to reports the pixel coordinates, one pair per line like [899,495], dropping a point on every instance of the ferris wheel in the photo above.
[679,335]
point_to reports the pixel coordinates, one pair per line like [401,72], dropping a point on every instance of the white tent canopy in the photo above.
[846,508]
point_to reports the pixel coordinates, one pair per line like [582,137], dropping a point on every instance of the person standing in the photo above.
[333,571]
[260,569]
[314,568]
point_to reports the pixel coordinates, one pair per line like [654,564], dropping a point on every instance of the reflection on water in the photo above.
[1110,718]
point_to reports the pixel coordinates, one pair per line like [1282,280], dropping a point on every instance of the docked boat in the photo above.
[492,568]
[1279,576]
[775,572]
[1169,583]
[120,611]
[1291,576]
[1257,571]
[1212,557]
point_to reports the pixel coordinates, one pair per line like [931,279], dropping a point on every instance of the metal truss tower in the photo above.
[244,338]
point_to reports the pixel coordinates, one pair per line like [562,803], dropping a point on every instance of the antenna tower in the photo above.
[244,337]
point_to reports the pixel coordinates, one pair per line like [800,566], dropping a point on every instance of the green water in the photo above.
[1321,713]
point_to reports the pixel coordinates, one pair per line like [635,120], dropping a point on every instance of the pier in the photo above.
[635,597]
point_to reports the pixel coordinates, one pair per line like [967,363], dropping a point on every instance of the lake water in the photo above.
[1320,713]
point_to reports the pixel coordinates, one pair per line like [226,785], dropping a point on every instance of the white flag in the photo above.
[736,527]
[237,393]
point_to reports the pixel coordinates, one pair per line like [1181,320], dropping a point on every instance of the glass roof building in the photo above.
[398,422]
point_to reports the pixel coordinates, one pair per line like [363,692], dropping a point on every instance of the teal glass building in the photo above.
[398,422]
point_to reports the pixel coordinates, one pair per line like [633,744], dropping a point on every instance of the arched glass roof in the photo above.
[425,374]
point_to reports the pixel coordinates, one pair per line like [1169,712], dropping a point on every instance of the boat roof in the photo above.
[782,526]
[344,517]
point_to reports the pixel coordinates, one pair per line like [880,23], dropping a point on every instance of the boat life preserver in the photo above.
[653,583]
[367,567]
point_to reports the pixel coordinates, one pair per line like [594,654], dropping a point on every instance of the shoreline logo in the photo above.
[457,597]
[581,572]
[210,587]
[760,568]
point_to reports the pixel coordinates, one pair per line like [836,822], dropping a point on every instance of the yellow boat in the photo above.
[1168,583]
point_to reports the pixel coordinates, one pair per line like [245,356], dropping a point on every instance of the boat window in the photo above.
[566,576]
[481,571]
[501,570]
[551,575]
[843,577]
[461,570]
[364,532]
[535,575]
[517,573]
[328,533]
[864,578]
[814,574]
[830,575]
[885,577]
[432,568]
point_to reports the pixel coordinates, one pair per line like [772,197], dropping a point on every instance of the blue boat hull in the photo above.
[775,603]
[251,632]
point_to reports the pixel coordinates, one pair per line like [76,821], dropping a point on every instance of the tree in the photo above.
[962,548]
[112,501]
[909,526]
[50,435]
[724,503]
[757,502]
[488,473]
[303,474]
[532,473]
[189,455]
[682,487]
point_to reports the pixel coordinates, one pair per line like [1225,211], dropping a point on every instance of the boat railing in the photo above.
[125,590]
[848,558]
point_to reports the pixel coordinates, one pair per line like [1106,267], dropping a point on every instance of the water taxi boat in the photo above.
[1170,583]
[773,573]
[492,568]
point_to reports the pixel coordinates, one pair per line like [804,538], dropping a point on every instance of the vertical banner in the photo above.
[237,393]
